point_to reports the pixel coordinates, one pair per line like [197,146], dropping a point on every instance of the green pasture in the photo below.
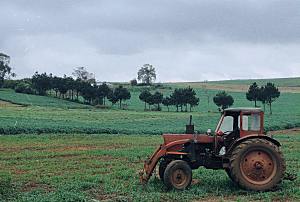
[51,115]
[281,82]
[78,167]
[35,100]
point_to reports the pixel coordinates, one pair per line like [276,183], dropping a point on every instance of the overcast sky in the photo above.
[185,40]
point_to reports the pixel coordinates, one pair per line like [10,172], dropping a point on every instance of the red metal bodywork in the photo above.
[174,143]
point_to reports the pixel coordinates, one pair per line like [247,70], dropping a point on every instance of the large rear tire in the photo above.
[257,164]
[178,175]
[227,170]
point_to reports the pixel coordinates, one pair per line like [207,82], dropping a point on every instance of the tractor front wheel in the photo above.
[162,167]
[257,164]
[178,175]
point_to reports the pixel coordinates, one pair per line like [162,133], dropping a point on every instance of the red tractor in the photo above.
[239,146]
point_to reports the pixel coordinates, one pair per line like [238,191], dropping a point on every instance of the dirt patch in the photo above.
[30,186]
[46,148]
[4,104]
[20,149]
[41,157]
[292,131]
[235,87]
[73,148]
[20,172]
[216,199]
[97,195]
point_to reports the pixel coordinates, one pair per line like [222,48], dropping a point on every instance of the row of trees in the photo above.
[85,85]
[180,98]
[266,94]
[69,88]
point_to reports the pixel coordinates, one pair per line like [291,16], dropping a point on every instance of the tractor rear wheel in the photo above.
[178,175]
[227,170]
[257,164]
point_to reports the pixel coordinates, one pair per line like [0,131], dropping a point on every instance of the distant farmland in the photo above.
[52,115]
[53,149]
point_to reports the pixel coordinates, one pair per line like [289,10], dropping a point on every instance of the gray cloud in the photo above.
[185,40]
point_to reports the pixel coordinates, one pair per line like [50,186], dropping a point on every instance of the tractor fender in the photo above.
[238,141]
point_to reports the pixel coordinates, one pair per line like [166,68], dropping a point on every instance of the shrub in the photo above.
[133,82]
[10,84]
[23,87]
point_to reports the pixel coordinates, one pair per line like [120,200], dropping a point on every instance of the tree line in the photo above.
[184,99]
[85,85]
[266,94]
[67,87]
[180,98]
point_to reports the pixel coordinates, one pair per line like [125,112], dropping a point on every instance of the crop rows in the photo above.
[41,118]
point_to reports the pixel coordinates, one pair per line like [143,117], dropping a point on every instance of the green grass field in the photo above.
[104,167]
[34,100]
[51,115]
[56,150]
[282,82]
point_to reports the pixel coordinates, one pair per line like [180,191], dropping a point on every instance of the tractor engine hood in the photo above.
[201,138]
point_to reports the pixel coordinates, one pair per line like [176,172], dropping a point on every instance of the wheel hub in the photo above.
[258,167]
[179,177]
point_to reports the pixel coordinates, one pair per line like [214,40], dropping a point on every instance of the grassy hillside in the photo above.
[68,117]
[281,82]
[34,100]
[105,168]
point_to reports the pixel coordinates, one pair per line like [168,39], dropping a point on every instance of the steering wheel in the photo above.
[227,132]
[221,133]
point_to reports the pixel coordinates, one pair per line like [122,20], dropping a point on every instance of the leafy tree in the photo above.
[253,93]
[88,92]
[177,96]
[70,84]
[41,83]
[133,82]
[147,74]
[223,100]
[102,92]
[24,87]
[122,94]
[150,101]
[82,74]
[262,96]
[157,98]
[112,97]
[167,101]
[55,82]
[5,69]
[271,93]
[144,96]
[190,98]
[62,86]
[193,101]
[184,97]
[78,86]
